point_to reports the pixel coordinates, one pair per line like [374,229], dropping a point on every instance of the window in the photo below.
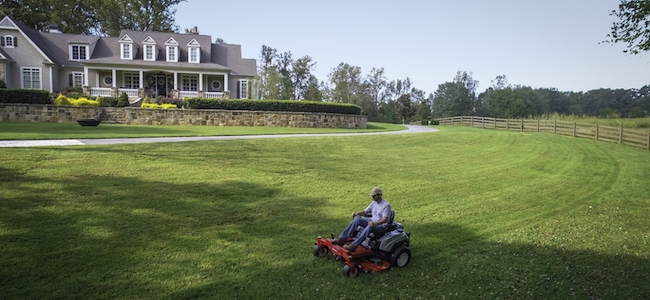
[8,41]
[77,79]
[195,55]
[126,51]
[78,52]
[243,89]
[190,83]
[149,52]
[131,80]
[31,78]
[172,54]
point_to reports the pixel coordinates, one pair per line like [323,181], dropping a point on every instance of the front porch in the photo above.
[138,84]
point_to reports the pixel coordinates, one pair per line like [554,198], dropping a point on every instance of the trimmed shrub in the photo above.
[163,106]
[24,96]
[123,100]
[274,105]
[61,100]
[3,85]
[109,101]
[84,102]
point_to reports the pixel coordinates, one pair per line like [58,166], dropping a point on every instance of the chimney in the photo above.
[53,28]
[195,30]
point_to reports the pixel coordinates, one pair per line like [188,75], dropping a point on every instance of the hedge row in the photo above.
[24,96]
[274,105]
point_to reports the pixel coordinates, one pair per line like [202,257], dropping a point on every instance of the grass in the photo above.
[39,131]
[632,123]
[492,214]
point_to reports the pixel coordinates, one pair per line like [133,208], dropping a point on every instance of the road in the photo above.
[79,142]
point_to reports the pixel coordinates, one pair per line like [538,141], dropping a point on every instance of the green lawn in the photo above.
[492,214]
[40,131]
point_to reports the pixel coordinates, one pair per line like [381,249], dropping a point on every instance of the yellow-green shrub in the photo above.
[84,102]
[164,106]
[62,100]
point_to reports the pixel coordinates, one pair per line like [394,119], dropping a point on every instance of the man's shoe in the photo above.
[338,241]
[350,247]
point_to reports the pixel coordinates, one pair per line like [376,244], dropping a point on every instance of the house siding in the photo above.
[24,56]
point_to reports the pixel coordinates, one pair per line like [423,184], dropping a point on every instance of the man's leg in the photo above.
[347,233]
[377,230]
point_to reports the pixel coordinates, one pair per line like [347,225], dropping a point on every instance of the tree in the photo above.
[106,17]
[313,92]
[633,25]
[375,84]
[510,102]
[346,82]
[302,68]
[404,107]
[452,99]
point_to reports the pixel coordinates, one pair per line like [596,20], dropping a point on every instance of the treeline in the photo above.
[396,101]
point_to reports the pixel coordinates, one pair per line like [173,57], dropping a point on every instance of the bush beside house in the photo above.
[274,105]
[24,96]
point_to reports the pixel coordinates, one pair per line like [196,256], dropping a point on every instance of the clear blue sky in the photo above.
[552,43]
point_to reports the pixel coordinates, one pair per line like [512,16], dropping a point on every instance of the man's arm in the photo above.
[361,213]
[382,221]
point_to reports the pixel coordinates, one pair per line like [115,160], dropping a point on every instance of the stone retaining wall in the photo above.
[211,117]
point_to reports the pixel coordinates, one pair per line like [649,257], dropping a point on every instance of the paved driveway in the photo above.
[35,143]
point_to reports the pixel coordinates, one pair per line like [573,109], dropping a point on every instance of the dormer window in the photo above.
[172,50]
[126,47]
[149,46]
[8,41]
[193,52]
[78,52]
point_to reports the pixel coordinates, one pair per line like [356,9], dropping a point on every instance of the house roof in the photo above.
[4,56]
[106,50]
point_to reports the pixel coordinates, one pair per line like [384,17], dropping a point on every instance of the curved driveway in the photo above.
[73,142]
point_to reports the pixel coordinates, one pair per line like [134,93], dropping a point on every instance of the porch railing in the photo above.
[96,91]
[132,93]
[213,95]
[184,94]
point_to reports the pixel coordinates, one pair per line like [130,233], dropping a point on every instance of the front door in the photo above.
[161,86]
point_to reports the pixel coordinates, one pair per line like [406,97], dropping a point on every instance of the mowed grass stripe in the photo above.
[492,214]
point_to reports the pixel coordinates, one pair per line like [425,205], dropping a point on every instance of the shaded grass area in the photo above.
[492,214]
[42,130]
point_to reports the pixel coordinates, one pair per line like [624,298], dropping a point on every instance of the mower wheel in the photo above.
[400,257]
[350,271]
[320,251]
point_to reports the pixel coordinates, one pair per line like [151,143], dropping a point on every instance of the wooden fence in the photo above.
[632,137]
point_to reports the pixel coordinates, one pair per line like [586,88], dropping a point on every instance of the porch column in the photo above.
[200,81]
[114,75]
[176,80]
[141,83]
[87,77]
[225,83]
[52,80]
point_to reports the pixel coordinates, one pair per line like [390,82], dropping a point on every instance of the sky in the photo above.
[541,44]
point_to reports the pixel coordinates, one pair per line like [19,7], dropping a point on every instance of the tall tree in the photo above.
[404,107]
[452,99]
[375,83]
[314,91]
[633,25]
[346,83]
[302,69]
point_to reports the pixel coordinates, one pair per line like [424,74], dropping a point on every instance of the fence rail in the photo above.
[631,137]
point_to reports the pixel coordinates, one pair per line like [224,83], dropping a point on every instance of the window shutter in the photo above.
[2,41]
[239,89]
[15,42]
[70,80]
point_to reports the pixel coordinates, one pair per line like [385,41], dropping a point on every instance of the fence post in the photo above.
[452,121]
[471,121]
[648,140]
[483,122]
[507,124]
[537,125]
[620,136]
[522,126]
[596,131]
[574,129]
[554,126]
